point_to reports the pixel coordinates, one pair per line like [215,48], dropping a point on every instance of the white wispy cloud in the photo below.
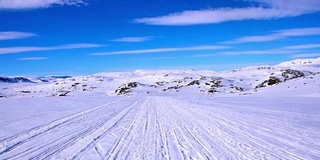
[15,35]
[193,17]
[260,52]
[302,6]
[304,46]
[307,55]
[159,50]
[268,9]
[277,35]
[32,58]
[11,50]
[290,50]
[32,4]
[162,58]
[132,39]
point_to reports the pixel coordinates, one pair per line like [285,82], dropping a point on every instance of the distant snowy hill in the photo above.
[14,80]
[300,77]
[301,62]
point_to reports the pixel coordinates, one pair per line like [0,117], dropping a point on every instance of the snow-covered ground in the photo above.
[264,112]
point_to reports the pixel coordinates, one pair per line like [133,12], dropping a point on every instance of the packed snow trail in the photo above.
[166,128]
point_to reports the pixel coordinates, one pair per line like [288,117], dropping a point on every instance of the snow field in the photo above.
[158,127]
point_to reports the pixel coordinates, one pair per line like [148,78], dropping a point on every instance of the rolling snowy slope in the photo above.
[260,112]
[247,80]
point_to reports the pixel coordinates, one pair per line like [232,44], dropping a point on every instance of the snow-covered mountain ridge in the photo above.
[299,76]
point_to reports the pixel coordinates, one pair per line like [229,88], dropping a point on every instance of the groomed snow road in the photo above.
[166,128]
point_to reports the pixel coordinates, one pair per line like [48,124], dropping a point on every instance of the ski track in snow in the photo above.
[167,128]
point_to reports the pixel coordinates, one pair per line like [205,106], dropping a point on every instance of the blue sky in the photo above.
[74,37]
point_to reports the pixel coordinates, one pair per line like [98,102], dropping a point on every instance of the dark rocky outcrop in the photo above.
[173,87]
[194,82]
[126,88]
[75,84]
[183,80]
[214,84]
[25,91]
[237,88]
[269,82]
[162,83]
[63,93]
[289,74]
[212,90]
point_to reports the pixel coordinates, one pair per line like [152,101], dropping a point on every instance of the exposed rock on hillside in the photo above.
[195,82]
[285,75]
[214,84]
[173,88]
[126,88]
[291,74]
[183,80]
[246,80]
[269,82]
[64,93]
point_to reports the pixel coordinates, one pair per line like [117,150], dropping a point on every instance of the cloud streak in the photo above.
[161,50]
[15,35]
[295,50]
[260,52]
[32,58]
[305,46]
[249,52]
[33,4]
[277,35]
[302,6]
[270,9]
[132,39]
[195,17]
[307,55]
[12,50]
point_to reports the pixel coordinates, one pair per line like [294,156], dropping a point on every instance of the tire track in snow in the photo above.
[179,145]
[141,134]
[89,130]
[11,143]
[165,128]
[135,133]
[239,135]
[163,137]
[111,125]
[215,141]
[268,137]
[227,138]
